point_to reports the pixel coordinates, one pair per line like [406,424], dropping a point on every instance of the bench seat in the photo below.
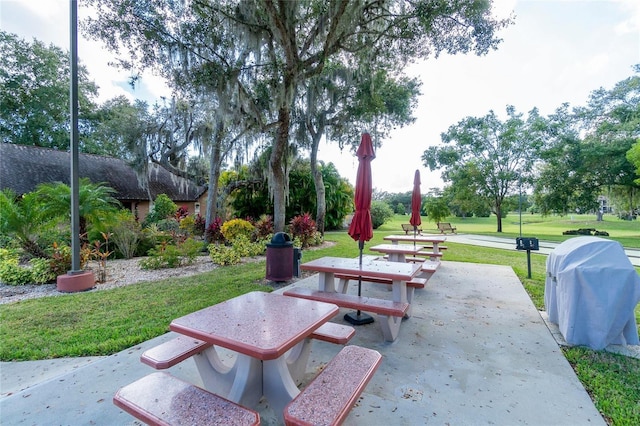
[328,399]
[407,227]
[362,303]
[334,333]
[162,399]
[416,282]
[445,227]
[172,352]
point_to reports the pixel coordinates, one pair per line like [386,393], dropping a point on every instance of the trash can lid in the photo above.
[280,239]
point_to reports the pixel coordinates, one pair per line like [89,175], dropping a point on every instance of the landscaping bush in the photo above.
[264,227]
[213,232]
[303,229]
[167,255]
[163,208]
[126,234]
[381,212]
[38,270]
[234,228]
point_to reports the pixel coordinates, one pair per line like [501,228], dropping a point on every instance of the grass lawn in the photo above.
[106,322]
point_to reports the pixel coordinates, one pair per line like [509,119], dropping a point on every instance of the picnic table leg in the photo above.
[390,327]
[278,385]
[297,358]
[240,382]
[400,294]
[326,282]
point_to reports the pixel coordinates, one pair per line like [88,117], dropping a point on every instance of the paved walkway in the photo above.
[475,351]
[510,244]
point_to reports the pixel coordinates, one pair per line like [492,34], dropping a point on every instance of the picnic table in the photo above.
[390,313]
[433,241]
[397,252]
[261,328]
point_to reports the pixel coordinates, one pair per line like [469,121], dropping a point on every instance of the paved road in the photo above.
[510,244]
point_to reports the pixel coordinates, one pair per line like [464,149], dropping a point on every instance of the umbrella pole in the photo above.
[358,318]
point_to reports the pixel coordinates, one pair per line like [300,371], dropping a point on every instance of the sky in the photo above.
[557,51]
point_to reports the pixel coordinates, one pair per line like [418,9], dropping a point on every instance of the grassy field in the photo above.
[106,322]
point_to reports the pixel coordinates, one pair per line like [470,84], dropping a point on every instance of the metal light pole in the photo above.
[73,96]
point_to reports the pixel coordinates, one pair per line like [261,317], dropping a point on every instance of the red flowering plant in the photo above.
[303,228]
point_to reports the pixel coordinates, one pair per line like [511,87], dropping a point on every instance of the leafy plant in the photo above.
[223,255]
[167,255]
[23,219]
[126,233]
[234,228]
[264,226]
[163,208]
[380,213]
[214,232]
[303,227]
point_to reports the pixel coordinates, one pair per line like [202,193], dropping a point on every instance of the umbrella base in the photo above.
[358,318]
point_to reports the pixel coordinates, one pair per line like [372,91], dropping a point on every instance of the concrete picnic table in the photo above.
[397,252]
[422,240]
[398,273]
[261,328]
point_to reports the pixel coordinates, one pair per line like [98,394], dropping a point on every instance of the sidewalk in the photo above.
[475,351]
[510,244]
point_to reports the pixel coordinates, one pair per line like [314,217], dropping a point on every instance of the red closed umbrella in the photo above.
[361,228]
[416,203]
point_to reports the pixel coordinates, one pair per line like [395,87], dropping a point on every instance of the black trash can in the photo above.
[280,258]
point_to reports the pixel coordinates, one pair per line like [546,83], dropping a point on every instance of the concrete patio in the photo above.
[475,351]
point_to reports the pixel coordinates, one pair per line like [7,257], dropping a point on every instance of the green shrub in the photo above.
[380,213]
[126,234]
[163,208]
[167,255]
[223,255]
[187,225]
[246,248]
[233,228]
[41,272]
[11,273]
[162,256]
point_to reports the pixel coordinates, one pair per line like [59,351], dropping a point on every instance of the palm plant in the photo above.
[96,201]
[23,219]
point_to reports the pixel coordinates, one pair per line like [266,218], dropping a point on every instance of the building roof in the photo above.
[23,168]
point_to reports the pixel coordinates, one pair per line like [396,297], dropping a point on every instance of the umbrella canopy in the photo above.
[361,228]
[416,201]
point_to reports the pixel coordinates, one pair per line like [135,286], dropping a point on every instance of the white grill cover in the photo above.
[591,291]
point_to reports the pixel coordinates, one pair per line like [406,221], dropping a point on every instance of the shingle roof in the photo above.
[22,168]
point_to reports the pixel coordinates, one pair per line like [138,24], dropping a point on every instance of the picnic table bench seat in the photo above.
[415,283]
[172,352]
[445,227]
[407,228]
[162,399]
[329,397]
[362,303]
[176,350]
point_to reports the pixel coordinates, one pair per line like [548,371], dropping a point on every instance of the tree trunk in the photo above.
[321,202]
[214,175]
[278,175]
[499,216]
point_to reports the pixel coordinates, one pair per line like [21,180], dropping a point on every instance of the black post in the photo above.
[528,263]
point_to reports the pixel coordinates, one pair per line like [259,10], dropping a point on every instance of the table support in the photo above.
[241,382]
[278,386]
[326,282]
[297,358]
[390,327]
